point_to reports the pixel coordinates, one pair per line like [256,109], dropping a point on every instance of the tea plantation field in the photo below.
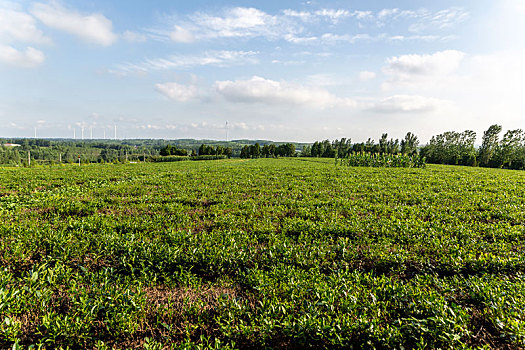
[268,253]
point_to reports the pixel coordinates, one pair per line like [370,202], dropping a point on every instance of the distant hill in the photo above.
[70,150]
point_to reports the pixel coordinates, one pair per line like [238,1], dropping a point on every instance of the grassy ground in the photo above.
[276,253]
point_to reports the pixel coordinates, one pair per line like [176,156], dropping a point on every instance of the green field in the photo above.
[267,253]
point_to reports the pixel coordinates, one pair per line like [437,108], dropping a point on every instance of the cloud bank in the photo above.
[260,90]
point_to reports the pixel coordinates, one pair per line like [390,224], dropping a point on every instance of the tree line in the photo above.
[208,150]
[268,151]
[458,148]
[450,147]
[344,147]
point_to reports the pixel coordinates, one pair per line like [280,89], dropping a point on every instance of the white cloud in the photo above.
[260,90]
[415,68]
[330,38]
[234,23]
[333,38]
[16,25]
[421,19]
[302,27]
[303,15]
[176,91]
[362,15]
[93,28]
[133,37]
[366,75]
[426,38]
[300,40]
[182,35]
[333,15]
[384,13]
[406,104]
[444,19]
[243,22]
[28,58]
[209,58]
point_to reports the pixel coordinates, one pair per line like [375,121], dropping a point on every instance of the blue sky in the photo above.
[278,70]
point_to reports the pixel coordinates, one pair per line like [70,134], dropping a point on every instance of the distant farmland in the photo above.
[275,253]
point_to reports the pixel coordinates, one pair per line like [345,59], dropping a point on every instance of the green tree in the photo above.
[508,152]
[265,151]
[290,149]
[467,150]
[317,149]
[245,151]
[409,144]
[393,146]
[306,151]
[255,150]
[383,143]
[489,144]
[272,150]
[228,151]
[328,150]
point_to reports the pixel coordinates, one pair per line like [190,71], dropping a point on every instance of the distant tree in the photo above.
[245,151]
[290,149]
[206,150]
[272,150]
[166,151]
[107,155]
[265,151]
[393,146]
[489,144]
[409,144]
[170,150]
[451,147]
[317,149]
[369,145]
[342,147]
[285,150]
[383,143]
[306,151]
[328,150]
[508,154]
[228,151]
[467,150]
[358,147]
[255,150]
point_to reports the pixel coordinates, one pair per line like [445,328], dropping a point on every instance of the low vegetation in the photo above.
[264,253]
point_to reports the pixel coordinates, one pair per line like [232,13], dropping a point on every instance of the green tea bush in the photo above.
[265,253]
